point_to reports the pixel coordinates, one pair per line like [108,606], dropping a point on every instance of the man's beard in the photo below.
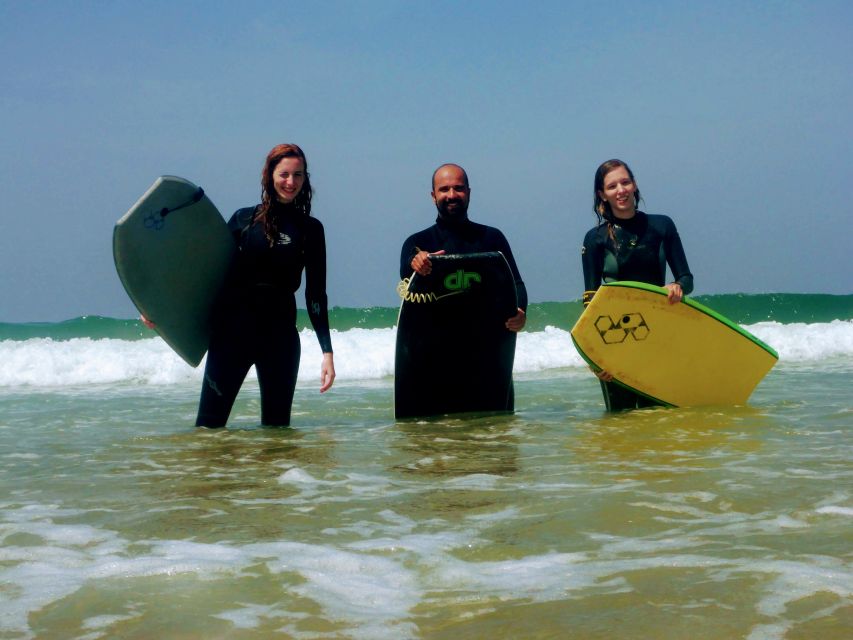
[458,212]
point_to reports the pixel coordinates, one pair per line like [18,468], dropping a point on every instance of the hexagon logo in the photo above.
[617,331]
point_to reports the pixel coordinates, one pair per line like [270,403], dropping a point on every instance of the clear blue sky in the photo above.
[735,116]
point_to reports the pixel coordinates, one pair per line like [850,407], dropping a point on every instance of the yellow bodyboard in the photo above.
[682,355]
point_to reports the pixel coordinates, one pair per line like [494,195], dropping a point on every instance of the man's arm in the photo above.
[517,322]
[520,289]
[406,254]
[413,256]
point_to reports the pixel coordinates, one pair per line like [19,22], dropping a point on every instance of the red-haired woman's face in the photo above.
[288,178]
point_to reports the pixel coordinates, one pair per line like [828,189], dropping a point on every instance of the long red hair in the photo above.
[270,207]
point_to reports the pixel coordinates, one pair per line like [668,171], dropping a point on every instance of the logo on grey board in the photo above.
[154,220]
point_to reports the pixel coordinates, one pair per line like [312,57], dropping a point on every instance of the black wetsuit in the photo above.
[255,317]
[461,236]
[644,245]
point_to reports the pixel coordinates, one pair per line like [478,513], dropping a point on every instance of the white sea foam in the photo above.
[360,354]
[800,342]
[43,362]
[838,511]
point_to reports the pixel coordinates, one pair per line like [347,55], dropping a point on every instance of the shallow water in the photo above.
[118,519]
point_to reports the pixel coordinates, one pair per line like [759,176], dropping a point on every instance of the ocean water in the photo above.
[118,519]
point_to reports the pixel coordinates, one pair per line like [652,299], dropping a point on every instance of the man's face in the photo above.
[450,192]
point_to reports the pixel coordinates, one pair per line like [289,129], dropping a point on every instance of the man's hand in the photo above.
[421,264]
[517,322]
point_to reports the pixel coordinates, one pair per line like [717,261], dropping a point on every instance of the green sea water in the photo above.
[118,519]
[785,308]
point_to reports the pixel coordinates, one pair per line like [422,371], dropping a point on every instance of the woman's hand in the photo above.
[603,375]
[675,293]
[327,372]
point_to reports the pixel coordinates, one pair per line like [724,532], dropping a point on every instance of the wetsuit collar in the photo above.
[446,222]
[634,221]
[289,209]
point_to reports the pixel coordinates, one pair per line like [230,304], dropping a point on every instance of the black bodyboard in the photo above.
[454,353]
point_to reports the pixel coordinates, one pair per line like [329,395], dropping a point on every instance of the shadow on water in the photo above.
[459,445]
[205,482]
[237,459]
[666,430]
[456,464]
[663,443]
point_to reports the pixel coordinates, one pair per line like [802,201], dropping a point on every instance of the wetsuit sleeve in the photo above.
[677,260]
[315,284]
[406,254]
[520,289]
[592,259]
[239,222]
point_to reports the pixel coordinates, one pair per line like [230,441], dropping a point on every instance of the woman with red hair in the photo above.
[255,318]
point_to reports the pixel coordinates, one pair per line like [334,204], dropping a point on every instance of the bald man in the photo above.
[453,232]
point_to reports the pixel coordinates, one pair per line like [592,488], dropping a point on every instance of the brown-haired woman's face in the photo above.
[288,178]
[618,192]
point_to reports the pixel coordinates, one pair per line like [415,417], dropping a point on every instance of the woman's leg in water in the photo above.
[226,368]
[277,367]
[618,398]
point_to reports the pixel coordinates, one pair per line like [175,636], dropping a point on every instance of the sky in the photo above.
[734,116]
